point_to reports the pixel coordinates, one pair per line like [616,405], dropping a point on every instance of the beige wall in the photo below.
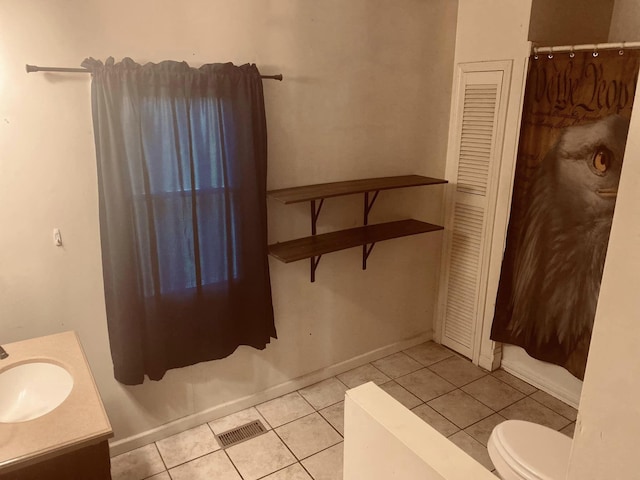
[366,93]
[606,438]
[575,22]
[486,31]
[570,22]
[625,20]
[492,30]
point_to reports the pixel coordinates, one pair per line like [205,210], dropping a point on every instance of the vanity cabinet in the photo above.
[90,462]
[70,441]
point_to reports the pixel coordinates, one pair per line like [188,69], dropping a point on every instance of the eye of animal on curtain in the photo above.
[567,173]
[182,158]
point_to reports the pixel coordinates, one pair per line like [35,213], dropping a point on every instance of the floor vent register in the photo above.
[241,433]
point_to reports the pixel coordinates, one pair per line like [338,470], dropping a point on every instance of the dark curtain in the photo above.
[182,159]
[574,129]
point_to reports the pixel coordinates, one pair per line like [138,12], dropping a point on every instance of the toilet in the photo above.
[527,451]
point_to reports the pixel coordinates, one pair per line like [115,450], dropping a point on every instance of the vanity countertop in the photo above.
[78,422]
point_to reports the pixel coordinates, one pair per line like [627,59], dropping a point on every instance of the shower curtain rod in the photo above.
[592,47]
[34,68]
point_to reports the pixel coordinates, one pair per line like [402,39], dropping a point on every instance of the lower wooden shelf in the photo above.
[316,245]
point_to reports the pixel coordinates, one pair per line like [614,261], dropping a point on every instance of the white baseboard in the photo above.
[489,362]
[218,411]
[528,373]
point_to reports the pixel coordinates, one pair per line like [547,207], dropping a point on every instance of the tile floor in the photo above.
[305,428]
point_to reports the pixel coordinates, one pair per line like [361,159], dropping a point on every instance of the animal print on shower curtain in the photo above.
[574,130]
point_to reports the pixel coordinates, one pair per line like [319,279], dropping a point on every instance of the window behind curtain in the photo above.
[182,181]
[185,139]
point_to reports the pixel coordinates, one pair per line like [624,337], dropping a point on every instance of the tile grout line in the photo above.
[290,451]
[271,427]
[326,406]
[506,383]
[468,383]
[420,367]
[390,379]
[302,396]
[451,354]
[188,461]
[428,367]
[300,460]
[450,420]
[331,424]
[464,385]
[307,471]
[530,396]
[515,388]
[233,464]
[199,456]
[303,416]
[553,410]
[315,410]
[161,459]
[435,398]
[320,451]
[489,407]
[283,468]
[225,450]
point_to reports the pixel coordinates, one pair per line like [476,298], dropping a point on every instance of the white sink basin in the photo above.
[30,390]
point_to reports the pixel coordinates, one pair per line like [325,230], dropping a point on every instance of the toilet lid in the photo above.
[533,451]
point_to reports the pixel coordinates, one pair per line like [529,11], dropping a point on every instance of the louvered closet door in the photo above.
[473,167]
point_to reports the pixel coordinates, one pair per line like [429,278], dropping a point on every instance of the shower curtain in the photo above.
[574,129]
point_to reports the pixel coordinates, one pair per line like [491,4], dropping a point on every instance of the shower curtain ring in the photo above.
[550,56]
[571,52]
[595,50]
[535,53]
[621,51]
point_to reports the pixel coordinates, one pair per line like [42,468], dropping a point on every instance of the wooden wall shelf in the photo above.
[315,246]
[336,189]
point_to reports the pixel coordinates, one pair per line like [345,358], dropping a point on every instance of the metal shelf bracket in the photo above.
[315,212]
[314,264]
[368,205]
[366,251]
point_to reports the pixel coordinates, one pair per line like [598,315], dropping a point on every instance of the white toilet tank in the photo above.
[527,451]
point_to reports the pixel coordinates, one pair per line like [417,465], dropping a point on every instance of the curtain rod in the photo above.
[593,47]
[34,68]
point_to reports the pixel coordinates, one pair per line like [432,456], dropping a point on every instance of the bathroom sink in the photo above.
[30,390]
